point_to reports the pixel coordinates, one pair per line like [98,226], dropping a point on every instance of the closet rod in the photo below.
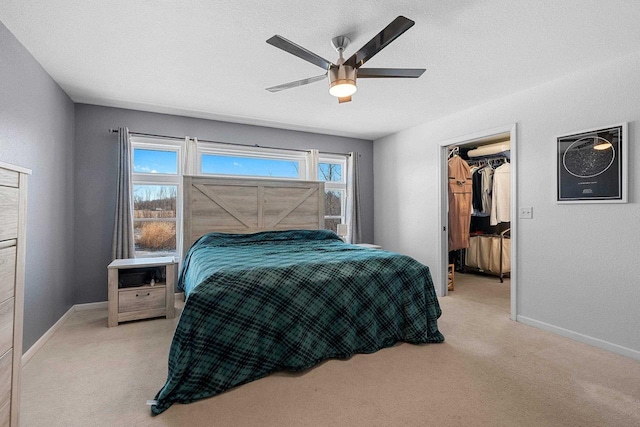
[152,135]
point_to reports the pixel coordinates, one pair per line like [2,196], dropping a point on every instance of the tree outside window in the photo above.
[154,219]
[332,173]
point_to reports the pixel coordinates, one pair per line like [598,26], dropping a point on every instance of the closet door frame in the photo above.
[445,146]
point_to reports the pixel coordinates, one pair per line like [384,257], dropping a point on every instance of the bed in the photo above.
[282,299]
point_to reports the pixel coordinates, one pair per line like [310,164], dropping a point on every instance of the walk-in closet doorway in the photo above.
[480,139]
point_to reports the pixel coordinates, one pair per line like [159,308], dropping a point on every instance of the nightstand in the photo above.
[369,245]
[141,288]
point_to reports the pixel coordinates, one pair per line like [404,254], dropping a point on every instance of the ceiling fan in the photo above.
[343,74]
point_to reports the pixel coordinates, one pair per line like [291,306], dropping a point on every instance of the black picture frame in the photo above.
[592,166]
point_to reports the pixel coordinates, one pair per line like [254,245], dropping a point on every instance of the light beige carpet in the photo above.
[489,372]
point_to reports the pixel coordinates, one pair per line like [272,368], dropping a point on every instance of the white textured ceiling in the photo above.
[209,58]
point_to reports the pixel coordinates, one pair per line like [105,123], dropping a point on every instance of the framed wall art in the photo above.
[592,166]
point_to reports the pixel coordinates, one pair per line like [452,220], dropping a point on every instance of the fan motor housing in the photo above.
[342,74]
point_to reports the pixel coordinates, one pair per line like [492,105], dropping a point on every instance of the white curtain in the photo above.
[353,200]
[190,155]
[312,165]
[123,245]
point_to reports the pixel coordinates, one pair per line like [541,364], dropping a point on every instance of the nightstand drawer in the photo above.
[141,299]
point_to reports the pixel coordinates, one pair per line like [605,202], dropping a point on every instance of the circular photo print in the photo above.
[588,157]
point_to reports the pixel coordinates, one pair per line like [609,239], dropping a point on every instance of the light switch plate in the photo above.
[526,213]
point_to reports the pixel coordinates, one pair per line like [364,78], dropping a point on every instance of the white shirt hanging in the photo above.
[501,197]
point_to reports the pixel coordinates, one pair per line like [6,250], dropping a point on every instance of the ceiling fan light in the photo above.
[342,88]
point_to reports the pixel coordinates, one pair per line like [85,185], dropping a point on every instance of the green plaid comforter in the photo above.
[287,300]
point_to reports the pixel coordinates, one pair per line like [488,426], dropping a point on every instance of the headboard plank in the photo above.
[209,192]
[239,205]
[292,206]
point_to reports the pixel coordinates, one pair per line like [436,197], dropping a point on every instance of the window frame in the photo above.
[169,179]
[335,185]
[211,148]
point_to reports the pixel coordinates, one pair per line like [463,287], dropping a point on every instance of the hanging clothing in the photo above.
[460,189]
[482,178]
[487,189]
[476,177]
[501,197]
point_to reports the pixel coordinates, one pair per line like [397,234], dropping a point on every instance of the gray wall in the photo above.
[575,263]
[36,132]
[96,165]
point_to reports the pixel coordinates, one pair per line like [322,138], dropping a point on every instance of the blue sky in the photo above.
[154,161]
[249,166]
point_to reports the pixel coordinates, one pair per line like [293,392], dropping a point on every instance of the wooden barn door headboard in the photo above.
[242,205]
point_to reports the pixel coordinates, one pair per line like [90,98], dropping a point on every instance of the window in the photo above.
[155,161]
[256,162]
[156,195]
[158,168]
[232,165]
[332,170]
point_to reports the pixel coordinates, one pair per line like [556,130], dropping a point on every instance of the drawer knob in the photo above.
[147,294]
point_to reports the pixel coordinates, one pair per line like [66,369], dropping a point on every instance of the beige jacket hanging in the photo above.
[459,203]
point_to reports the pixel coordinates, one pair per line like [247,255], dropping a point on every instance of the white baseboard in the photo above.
[576,336]
[91,306]
[52,330]
[44,338]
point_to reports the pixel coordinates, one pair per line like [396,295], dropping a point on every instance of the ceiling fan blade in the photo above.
[297,83]
[380,41]
[344,99]
[302,53]
[368,73]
